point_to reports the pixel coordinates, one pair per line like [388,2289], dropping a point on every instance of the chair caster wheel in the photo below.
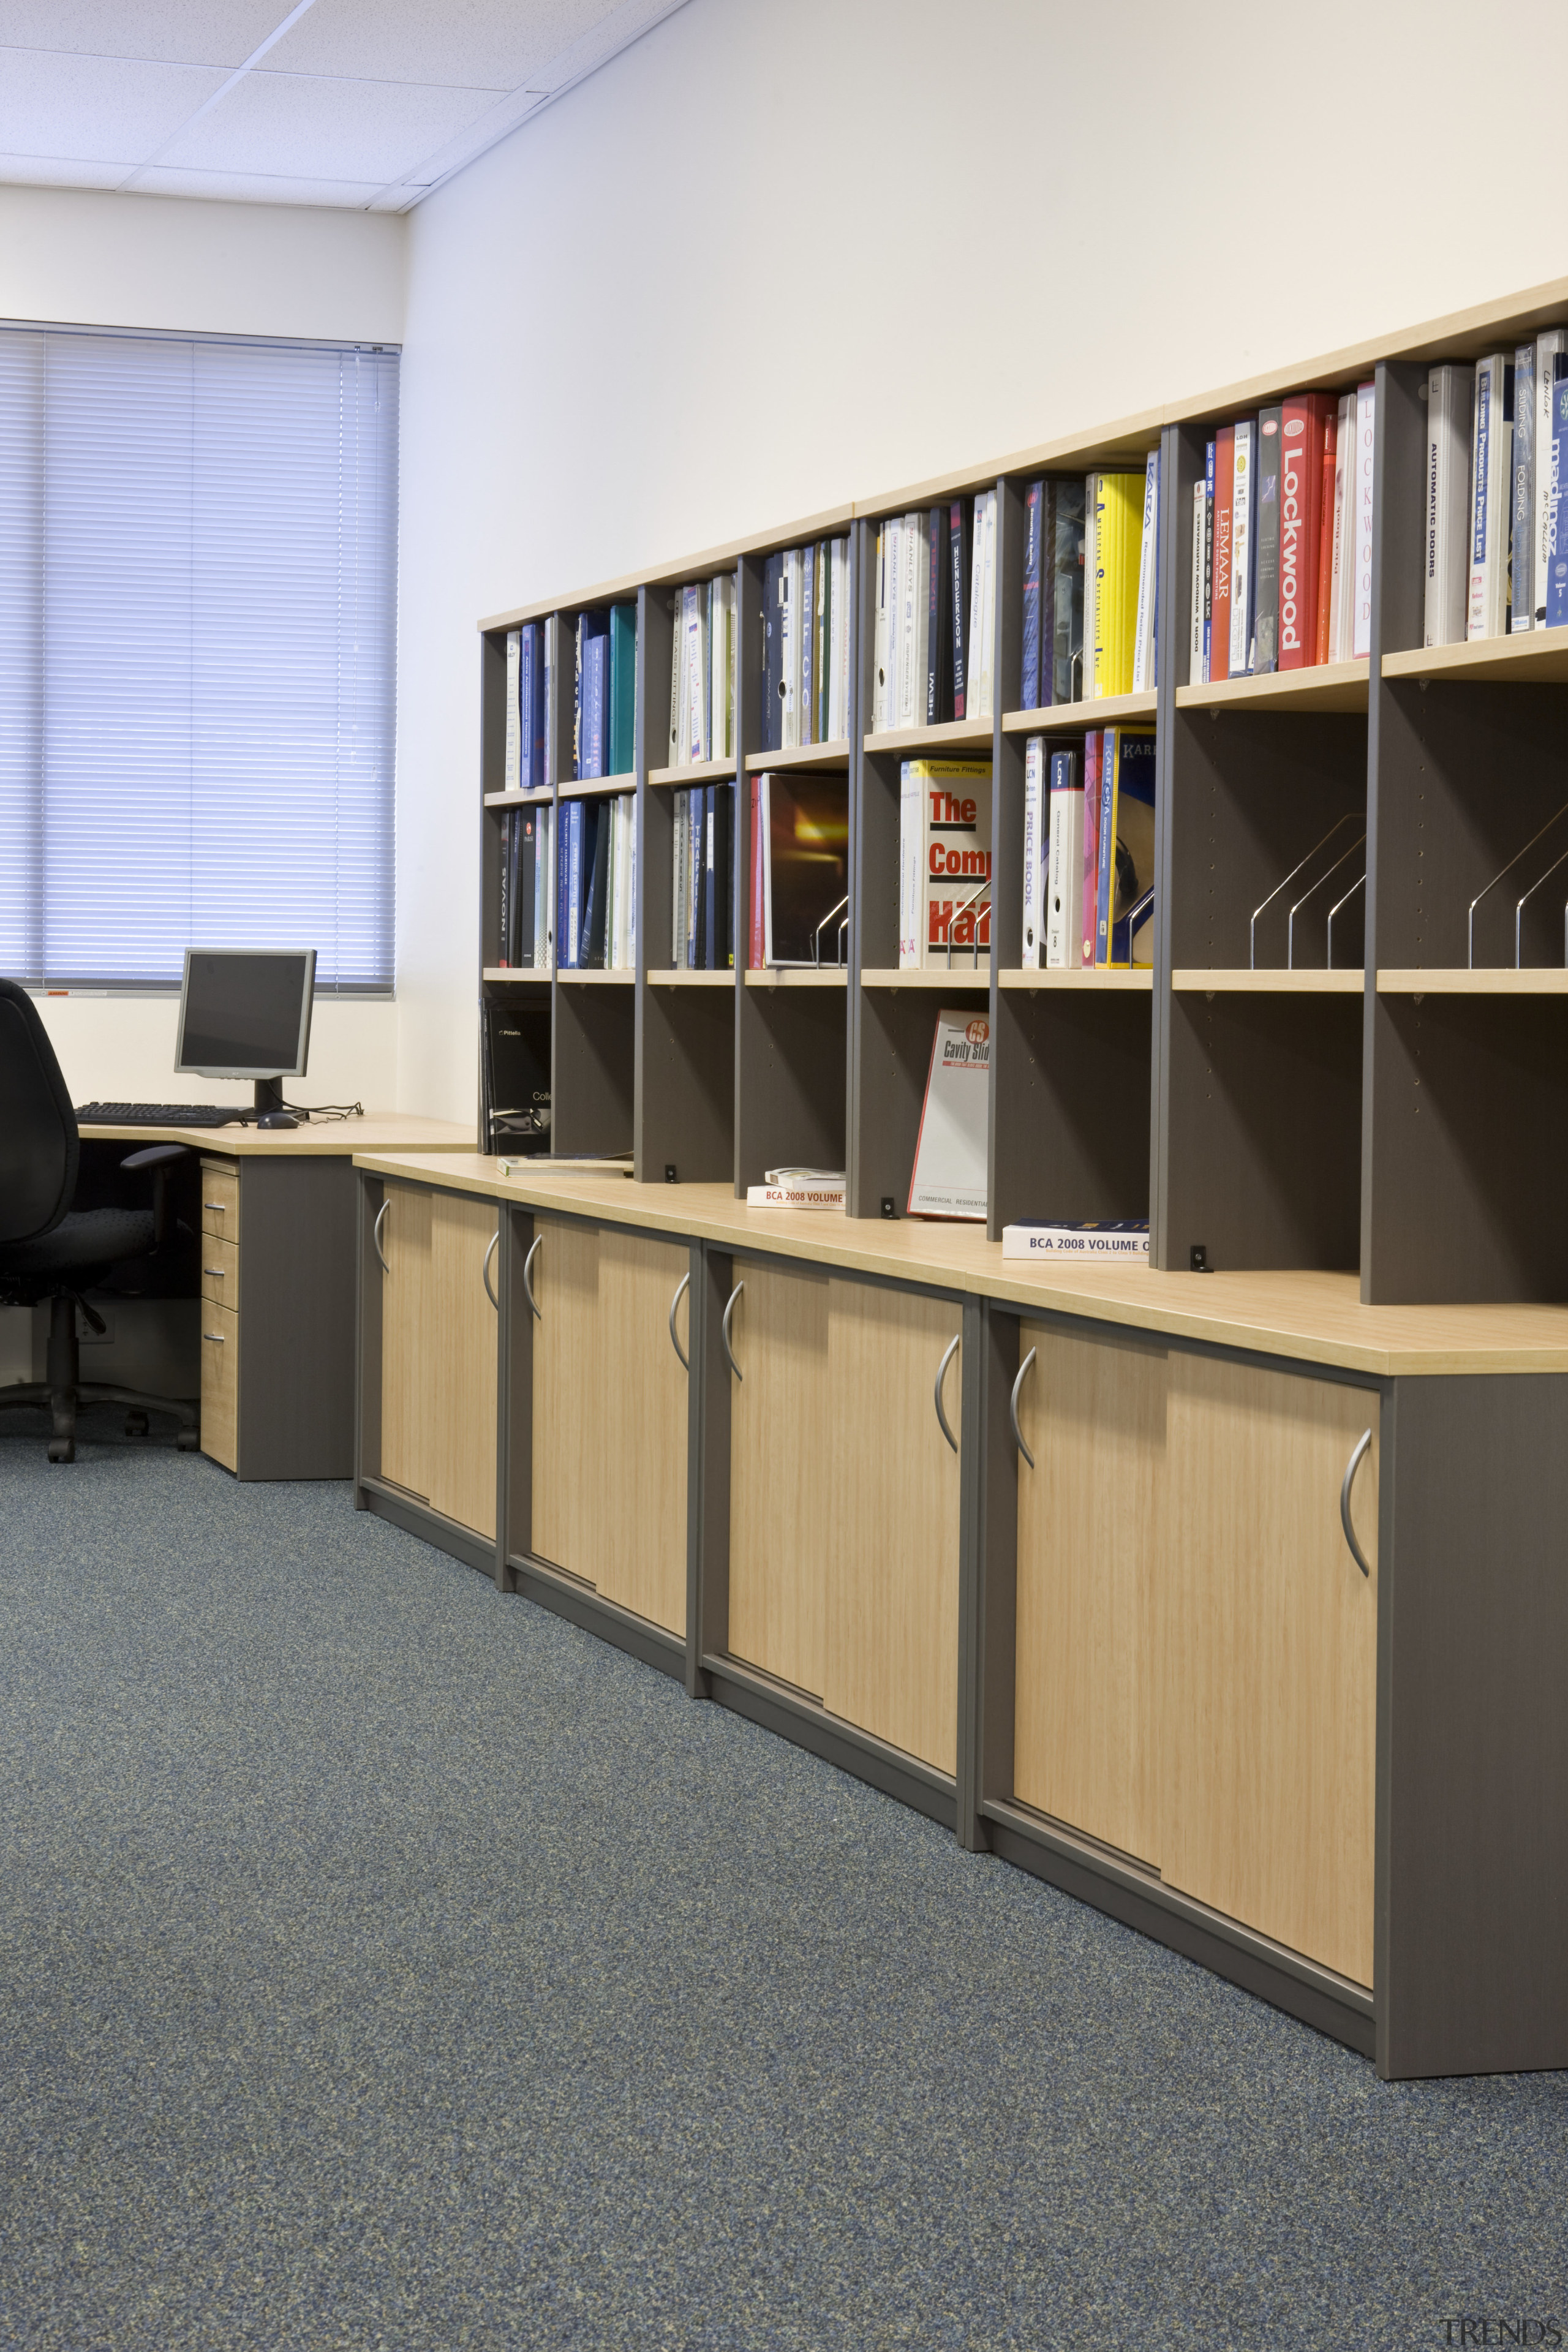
[135,1424]
[62,1449]
[189,1441]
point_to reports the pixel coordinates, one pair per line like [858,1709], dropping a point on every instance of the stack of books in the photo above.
[1281,573]
[935,614]
[701,918]
[529,653]
[604,710]
[1497,443]
[1088,852]
[526,909]
[596,884]
[805,646]
[702,673]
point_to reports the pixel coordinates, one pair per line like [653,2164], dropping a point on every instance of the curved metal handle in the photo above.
[375,1234]
[1013,1410]
[215,1336]
[724,1327]
[940,1376]
[1352,1467]
[485,1271]
[682,1285]
[527,1286]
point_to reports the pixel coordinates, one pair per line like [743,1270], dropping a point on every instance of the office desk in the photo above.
[278,1263]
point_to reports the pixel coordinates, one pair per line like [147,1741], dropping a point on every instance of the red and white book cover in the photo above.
[1223,493]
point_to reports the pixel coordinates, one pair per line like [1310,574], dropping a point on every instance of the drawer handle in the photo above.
[725,1329]
[376,1233]
[485,1271]
[1013,1410]
[527,1286]
[950,1350]
[682,1285]
[215,1336]
[219,1208]
[215,1273]
[1352,1467]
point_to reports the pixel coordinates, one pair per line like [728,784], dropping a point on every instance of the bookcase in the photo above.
[1393,1109]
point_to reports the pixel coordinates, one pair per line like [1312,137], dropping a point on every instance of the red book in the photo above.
[1091,748]
[1300,524]
[1220,608]
[759,935]
[1326,527]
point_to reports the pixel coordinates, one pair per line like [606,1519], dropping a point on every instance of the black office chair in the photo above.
[47,1251]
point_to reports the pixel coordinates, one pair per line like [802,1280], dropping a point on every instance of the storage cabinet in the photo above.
[610,1405]
[844,1501]
[1091,1542]
[781,1508]
[439,1353]
[1269,1652]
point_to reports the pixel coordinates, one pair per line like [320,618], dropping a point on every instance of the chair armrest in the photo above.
[156,1155]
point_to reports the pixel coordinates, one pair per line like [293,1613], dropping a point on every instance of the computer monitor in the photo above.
[246,1013]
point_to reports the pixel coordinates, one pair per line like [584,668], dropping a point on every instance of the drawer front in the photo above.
[220,1272]
[220,1384]
[220,1199]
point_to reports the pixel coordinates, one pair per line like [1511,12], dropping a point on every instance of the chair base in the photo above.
[64,1403]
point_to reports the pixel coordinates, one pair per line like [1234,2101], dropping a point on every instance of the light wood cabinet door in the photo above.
[568,1384]
[781,1501]
[220,1383]
[462,1351]
[891,1656]
[1271,1657]
[640,1406]
[404,1325]
[1091,1519]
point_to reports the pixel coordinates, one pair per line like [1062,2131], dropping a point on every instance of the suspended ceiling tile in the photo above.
[62,171]
[464,43]
[96,108]
[256,188]
[169,32]
[326,130]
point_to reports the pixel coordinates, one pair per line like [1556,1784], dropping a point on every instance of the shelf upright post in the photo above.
[1009,1178]
[859,1199]
[1181,465]
[752,1059]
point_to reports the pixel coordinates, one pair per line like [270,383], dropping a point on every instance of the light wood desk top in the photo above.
[1315,1317]
[321,1138]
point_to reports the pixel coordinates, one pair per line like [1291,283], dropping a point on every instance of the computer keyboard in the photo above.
[96,1114]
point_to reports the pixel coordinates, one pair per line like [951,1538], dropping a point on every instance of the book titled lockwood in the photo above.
[1098,1242]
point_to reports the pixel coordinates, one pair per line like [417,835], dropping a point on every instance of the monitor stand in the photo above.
[269,1111]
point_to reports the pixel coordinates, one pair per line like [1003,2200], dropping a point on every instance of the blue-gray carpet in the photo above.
[387,1963]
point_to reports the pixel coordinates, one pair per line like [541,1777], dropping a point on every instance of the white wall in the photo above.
[94,259]
[707,292]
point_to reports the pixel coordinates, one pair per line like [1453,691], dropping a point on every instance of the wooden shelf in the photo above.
[1109,710]
[544,796]
[593,788]
[519,977]
[704,772]
[805,755]
[1539,659]
[1329,686]
[1548,980]
[621,977]
[668,979]
[1138,977]
[964,981]
[832,976]
[1232,983]
[955,735]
